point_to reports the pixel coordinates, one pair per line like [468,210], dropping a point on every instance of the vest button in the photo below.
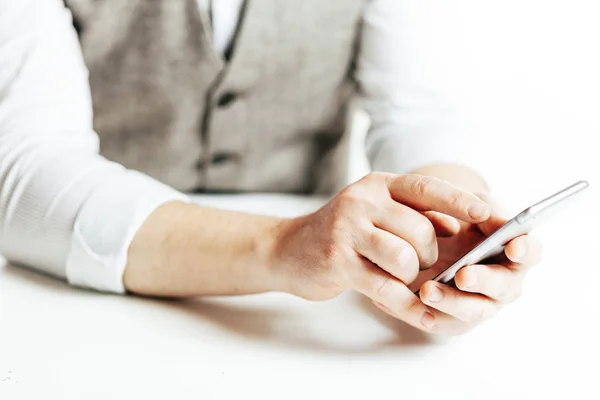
[221,158]
[226,98]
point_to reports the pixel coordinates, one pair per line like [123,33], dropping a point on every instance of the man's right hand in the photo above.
[374,237]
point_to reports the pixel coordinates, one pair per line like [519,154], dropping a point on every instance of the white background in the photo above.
[526,79]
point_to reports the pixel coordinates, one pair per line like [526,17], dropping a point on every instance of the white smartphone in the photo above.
[522,224]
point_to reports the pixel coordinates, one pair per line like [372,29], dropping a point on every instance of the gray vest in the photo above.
[166,104]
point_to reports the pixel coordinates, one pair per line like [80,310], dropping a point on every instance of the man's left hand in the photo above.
[481,289]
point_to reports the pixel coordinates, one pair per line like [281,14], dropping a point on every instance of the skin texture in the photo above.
[379,236]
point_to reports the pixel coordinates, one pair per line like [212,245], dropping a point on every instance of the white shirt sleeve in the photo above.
[401,74]
[64,209]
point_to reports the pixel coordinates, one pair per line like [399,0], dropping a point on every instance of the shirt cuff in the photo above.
[106,226]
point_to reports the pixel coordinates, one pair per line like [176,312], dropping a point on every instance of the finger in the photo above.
[492,224]
[389,252]
[524,250]
[467,307]
[445,324]
[495,281]
[444,225]
[425,193]
[383,288]
[411,226]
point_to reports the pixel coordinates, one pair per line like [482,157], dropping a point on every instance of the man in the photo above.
[252,95]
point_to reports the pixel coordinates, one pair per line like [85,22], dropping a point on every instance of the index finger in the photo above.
[425,193]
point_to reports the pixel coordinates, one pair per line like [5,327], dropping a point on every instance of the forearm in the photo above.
[183,250]
[458,175]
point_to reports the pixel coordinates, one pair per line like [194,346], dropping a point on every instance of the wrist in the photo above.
[281,259]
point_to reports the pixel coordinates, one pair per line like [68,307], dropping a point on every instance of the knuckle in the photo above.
[421,186]
[425,242]
[375,240]
[423,232]
[350,195]
[383,287]
[411,307]
[354,199]
[457,199]
[407,260]
[374,176]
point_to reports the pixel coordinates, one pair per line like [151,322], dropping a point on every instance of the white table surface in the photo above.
[58,342]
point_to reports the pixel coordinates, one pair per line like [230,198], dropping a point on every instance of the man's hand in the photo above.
[480,289]
[374,237]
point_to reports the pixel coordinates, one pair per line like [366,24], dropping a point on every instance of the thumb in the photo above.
[498,217]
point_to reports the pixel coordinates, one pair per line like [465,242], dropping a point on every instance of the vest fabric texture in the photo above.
[265,117]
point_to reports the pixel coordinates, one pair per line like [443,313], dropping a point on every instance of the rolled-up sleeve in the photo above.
[401,74]
[64,209]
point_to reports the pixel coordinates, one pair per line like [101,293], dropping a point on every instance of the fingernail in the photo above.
[428,320]
[435,294]
[518,251]
[478,210]
[470,280]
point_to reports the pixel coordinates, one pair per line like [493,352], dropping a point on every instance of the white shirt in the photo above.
[67,211]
